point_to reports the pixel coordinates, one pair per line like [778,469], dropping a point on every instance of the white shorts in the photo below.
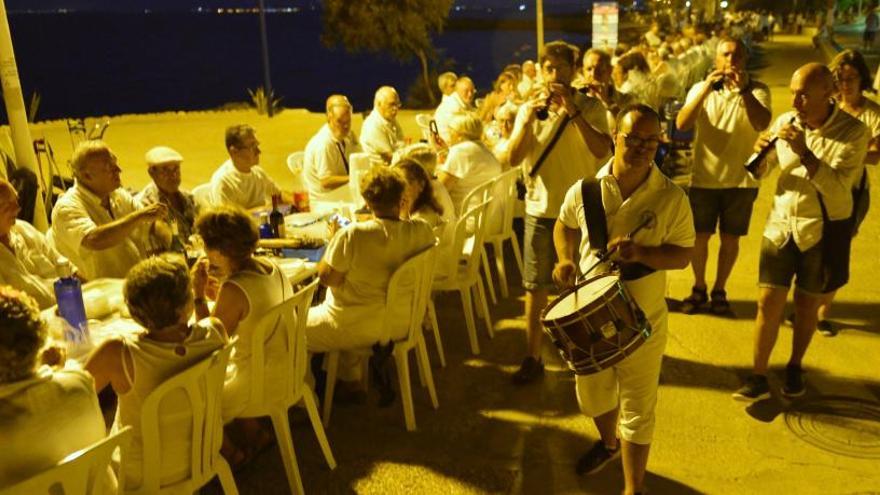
[631,384]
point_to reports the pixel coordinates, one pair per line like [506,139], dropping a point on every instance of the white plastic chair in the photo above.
[202,196]
[483,192]
[203,385]
[424,122]
[274,400]
[295,165]
[505,196]
[463,274]
[80,473]
[411,280]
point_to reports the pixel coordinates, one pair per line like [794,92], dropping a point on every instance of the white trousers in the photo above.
[324,333]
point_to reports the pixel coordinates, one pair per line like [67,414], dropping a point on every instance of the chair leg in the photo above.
[332,365]
[315,418]
[224,474]
[517,253]
[422,358]
[498,248]
[481,299]
[471,325]
[285,444]
[422,381]
[487,272]
[432,314]
[409,414]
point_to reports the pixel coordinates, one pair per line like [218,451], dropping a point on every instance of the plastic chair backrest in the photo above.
[477,195]
[412,280]
[290,316]
[295,162]
[470,228]
[505,194]
[80,473]
[202,196]
[424,120]
[203,385]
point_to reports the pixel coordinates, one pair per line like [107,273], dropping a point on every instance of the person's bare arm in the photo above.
[662,257]
[110,234]
[231,307]
[566,241]
[334,181]
[689,113]
[521,138]
[328,276]
[105,365]
[759,115]
[448,180]
[597,141]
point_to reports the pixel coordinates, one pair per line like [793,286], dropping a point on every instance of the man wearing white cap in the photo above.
[163,165]
[381,134]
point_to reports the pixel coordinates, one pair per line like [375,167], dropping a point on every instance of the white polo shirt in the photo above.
[77,213]
[448,107]
[570,159]
[31,267]
[323,159]
[472,164]
[840,145]
[724,137]
[248,190]
[674,225]
[380,136]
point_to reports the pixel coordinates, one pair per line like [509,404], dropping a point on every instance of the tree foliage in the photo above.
[400,28]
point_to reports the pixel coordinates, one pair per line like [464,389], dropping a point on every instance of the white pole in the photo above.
[15,110]
[540,21]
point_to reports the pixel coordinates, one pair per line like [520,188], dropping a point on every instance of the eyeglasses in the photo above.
[634,141]
[166,170]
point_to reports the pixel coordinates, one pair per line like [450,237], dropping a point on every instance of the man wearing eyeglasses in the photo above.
[163,165]
[727,110]
[240,180]
[326,163]
[621,399]
[381,134]
[568,144]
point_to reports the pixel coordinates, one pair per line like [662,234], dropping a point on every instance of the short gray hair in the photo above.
[467,125]
[85,151]
[157,290]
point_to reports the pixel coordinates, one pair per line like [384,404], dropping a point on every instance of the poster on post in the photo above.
[605,16]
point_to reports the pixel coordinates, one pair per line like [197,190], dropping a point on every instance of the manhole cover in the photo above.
[842,425]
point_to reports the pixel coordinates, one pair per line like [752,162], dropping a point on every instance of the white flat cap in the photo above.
[162,154]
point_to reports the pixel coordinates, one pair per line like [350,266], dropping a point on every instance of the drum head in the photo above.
[580,296]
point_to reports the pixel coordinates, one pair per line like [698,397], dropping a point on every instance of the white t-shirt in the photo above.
[450,106]
[77,213]
[31,267]
[570,159]
[323,158]
[674,225]
[840,145]
[368,253]
[472,163]
[248,190]
[724,137]
[380,136]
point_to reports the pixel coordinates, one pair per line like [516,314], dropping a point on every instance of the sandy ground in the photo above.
[489,437]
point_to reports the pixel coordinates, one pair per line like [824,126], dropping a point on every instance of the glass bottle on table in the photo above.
[276,218]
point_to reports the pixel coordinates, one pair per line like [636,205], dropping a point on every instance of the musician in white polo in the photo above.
[621,399]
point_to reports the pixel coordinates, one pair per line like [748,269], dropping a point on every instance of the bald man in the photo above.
[820,153]
[325,165]
[461,101]
[381,134]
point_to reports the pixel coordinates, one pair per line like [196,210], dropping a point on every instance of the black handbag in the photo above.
[836,242]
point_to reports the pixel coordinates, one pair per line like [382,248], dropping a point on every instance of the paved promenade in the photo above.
[489,437]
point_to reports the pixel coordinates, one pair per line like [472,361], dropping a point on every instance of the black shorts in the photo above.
[729,210]
[777,266]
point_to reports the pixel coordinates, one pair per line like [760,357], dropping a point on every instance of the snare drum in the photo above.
[596,324]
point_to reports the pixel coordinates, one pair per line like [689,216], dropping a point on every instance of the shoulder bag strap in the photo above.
[534,170]
[594,213]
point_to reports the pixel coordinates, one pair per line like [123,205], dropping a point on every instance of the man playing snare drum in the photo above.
[621,398]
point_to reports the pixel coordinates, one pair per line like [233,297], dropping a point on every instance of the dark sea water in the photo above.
[92,64]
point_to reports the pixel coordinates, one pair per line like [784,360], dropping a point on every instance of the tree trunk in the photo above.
[423,58]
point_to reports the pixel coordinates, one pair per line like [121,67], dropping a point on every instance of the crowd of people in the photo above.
[572,122]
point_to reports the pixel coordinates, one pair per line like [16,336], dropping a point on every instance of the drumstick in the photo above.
[648,218]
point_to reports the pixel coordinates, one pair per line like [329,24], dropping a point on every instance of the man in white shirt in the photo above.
[27,261]
[621,399]
[820,157]
[653,36]
[97,224]
[461,101]
[381,134]
[529,79]
[326,162]
[596,82]
[240,180]
[163,165]
[446,83]
[727,122]
[575,137]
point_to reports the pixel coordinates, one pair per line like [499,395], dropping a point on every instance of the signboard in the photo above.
[605,25]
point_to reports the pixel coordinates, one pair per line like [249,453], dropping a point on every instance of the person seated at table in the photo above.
[159,296]
[381,134]
[45,414]
[240,180]
[27,260]
[357,267]
[163,165]
[97,224]
[505,116]
[470,163]
[249,287]
[503,91]
[446,83]
[325,165]
[460,101]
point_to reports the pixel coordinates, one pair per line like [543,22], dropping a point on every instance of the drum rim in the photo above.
[563,320]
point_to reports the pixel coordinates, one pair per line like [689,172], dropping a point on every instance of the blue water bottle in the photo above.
[68,294]
[266,230]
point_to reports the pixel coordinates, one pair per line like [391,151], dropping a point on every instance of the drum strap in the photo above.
[597,228]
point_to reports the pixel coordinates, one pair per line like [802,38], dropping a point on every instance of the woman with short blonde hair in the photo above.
[469,163]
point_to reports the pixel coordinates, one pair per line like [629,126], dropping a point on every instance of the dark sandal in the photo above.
[694,302]
[719,305]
